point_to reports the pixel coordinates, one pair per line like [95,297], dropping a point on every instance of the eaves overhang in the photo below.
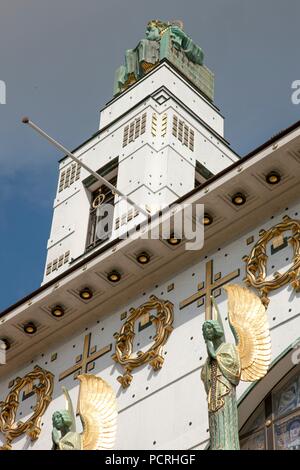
[230,222]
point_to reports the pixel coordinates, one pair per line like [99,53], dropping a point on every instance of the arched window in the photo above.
[275,424]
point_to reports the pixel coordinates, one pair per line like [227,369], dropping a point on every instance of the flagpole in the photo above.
[100,178]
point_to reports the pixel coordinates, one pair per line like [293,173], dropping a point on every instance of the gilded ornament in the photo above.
[146,66]
[256,262]
[164,125]
[85,360]
[99,199]
[154,125]
[163,321]
[32,427]
[227,363]
[208,288]
[97,407]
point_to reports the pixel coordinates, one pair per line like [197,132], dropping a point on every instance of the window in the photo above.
[126,218]
[101,195]
[202,174]
[133,130]
[68,176]
[55,264]
[276,423]
[183,133]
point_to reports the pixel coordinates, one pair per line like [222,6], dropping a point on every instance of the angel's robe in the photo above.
[146,51]
[220,377]
[70,441]
[220,374]
[187,45]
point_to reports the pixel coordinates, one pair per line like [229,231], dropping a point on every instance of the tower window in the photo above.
[134,129]
[55,264]
[191,140]
[202,174]
[183,133]
[100,226]
[69,176]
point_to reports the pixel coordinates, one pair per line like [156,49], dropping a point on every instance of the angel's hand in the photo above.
[211,350]
[55,436]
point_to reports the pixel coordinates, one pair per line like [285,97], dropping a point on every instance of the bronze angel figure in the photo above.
[98,412]
[227,363]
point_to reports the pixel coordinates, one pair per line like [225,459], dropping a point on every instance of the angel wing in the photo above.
[249,323]
[97,406]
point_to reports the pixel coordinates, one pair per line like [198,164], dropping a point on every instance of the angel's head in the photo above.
[212,330]
[61,419]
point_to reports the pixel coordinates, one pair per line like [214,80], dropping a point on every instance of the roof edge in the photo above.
[247,157]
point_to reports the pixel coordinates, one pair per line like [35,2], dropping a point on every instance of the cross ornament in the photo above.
[207,288]
[84,360]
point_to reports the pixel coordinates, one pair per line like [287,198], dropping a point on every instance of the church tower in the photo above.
[159,137]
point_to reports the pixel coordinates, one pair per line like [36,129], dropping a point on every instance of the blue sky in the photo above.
[58,57]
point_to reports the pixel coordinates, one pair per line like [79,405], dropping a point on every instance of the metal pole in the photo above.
[100,178]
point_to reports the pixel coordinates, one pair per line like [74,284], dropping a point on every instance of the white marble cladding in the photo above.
[167,409]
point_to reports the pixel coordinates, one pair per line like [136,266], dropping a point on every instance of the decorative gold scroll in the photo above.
[256,262]
[163,321]
[99,199]
[32,427]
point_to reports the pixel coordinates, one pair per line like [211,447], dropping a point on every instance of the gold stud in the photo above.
[273,177]
[173,240]
[30,328]
[143,258]
[207,219]
[57,311]
[238,199]
[114,276]
[86,293]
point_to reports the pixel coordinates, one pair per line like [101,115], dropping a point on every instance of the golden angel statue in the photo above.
[98,412]
[227,363]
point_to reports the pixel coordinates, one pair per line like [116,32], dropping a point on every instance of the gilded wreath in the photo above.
[163,321]
[256,262]
[8,408]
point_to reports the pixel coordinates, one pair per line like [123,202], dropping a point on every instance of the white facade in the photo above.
[165,409]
